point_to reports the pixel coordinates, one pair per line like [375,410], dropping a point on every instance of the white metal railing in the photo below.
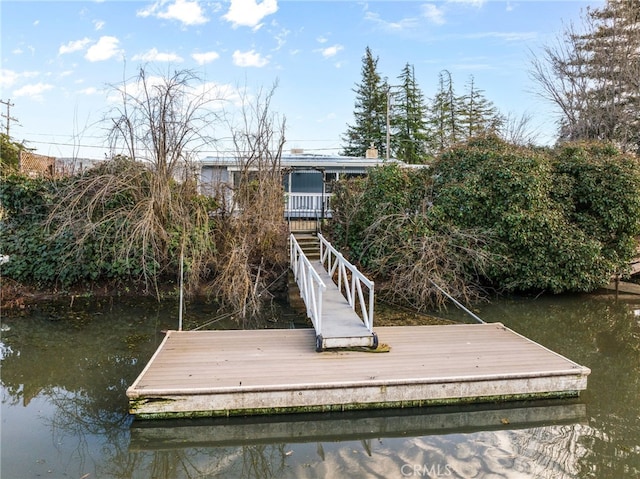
[351,287]
[307,204]
[309,282]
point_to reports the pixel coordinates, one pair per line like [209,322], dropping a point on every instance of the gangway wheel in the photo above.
[319,346]
[375,341]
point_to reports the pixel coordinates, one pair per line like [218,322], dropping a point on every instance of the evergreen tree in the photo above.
[593,76]
[408,126]
[477,115]
[442,118]
[370,112]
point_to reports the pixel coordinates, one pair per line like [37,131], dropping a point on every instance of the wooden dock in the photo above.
[228,373]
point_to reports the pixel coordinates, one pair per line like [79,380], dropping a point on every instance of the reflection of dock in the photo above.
[300,428]
[220,373]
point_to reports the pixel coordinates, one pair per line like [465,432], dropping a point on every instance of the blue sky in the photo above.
[59,57]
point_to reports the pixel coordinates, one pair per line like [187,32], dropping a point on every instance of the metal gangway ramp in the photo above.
[333,306]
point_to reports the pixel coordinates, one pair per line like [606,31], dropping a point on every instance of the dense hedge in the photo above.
[35,254]
[557,220]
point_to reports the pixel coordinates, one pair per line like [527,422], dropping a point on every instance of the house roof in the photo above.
[309,162]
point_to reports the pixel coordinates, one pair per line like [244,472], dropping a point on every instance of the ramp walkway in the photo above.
[339,299]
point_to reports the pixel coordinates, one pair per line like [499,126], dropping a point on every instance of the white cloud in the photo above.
[185,11]
[89,91]
[7,78]
[432,13]
[473,3]
[154,55]
[249,13]
[189,13]
[331,51]
[400,25]
[204,58]
[34,91]
[104,49]
[74,46]
[506,36]
[281,38]
[249,59]
[322,39]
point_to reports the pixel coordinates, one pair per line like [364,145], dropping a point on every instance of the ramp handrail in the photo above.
[332,260]
[309,282]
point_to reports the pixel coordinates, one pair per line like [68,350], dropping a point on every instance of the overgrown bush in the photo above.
[490,214]
[102,225]
[512,192]
[383,222]
[34,255]
[599,189]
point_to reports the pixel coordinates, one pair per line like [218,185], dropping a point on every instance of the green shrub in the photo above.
[524,218]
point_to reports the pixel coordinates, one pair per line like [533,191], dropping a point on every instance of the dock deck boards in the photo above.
[214,373]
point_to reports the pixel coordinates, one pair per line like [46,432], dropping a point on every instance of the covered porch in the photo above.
[307,179]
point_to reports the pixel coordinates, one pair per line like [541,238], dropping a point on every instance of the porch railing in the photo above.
[309,282]
[309,205]
[350,281]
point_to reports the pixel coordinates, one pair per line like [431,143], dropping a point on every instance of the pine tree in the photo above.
[442,118]
[408,112]
[477,115]
[370,111]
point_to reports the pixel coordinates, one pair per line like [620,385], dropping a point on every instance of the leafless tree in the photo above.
[518,130]
[143,202]
[592,74]
[252,249]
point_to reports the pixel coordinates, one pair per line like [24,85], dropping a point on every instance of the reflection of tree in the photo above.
[251,461]
[91,348]
[82,359]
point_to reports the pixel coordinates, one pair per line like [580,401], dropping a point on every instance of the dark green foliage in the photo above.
[408,135]
[358,203]
[562,224]
[370,111]
[515,219]
[34,256]
[384,223]
[600,190]
[43,254]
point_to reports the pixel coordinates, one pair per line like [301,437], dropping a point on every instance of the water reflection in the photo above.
[65,371]
[452,442]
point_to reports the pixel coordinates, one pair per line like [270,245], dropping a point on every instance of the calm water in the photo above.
[65,370]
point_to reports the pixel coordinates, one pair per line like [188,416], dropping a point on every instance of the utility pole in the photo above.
[388,121]
[8,115]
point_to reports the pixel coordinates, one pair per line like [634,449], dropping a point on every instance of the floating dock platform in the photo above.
[253,372]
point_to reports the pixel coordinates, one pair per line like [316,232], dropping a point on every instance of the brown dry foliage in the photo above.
[252,244]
